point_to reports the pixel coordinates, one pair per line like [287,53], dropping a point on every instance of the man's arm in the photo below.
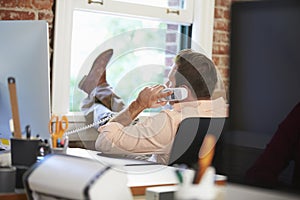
[147,98]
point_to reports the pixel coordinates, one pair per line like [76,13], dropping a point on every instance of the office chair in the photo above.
[188,141]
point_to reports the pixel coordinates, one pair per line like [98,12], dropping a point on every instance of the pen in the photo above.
[28,132]
[184,175]
[179,176]
[58,143]
[11,127]
[195,167]
[141,164]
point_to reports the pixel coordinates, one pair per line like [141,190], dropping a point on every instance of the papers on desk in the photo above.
[150,175]
[140,174]
[139,169]
[5,159]
[106,159]
[4,144]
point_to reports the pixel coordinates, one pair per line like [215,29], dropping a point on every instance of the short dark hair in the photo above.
[196,71]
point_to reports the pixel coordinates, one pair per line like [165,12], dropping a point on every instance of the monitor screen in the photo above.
[264,65]
[24,55]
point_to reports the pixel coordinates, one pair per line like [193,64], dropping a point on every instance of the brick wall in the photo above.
[29,10]
[44,9]
[26,10]
[221,38]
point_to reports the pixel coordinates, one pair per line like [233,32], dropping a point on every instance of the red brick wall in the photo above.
[221,38]
[43,10]
[28,10]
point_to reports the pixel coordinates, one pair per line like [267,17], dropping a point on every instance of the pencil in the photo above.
[14,107]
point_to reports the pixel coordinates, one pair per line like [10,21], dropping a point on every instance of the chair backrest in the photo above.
[189,139]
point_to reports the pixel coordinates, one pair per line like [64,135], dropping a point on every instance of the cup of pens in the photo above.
[62,146]
[57,127]
[204,190]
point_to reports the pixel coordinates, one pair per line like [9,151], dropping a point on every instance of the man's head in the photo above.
[195,71]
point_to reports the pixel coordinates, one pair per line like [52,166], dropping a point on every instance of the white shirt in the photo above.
[155,134]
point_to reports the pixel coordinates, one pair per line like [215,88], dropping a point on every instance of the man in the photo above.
[155,134]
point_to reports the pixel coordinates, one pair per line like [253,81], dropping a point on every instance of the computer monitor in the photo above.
[24,55]
[264,69]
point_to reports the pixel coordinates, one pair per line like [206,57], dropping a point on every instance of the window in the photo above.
[176,4]
[145,36]
[135,43]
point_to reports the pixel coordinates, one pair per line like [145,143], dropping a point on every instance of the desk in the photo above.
[236,191]
[229,192]
[10,196]
[140,174]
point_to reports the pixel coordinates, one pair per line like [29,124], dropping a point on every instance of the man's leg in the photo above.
[108,98]
[97,73]
[103,95]
[99,92]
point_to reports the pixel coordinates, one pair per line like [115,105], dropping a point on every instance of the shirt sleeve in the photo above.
[150,135]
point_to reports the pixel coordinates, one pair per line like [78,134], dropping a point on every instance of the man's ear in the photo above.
[185,86]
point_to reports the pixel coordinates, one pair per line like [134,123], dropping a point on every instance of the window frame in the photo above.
[200,14]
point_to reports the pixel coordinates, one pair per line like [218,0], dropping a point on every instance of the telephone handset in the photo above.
[179,93]
[100,122]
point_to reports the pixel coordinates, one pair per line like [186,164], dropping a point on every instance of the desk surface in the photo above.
[228,192]
[235,191]
[142,176]
[10,196]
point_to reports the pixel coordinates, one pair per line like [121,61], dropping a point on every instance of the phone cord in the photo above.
[88,126]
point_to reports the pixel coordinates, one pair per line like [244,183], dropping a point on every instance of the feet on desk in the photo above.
[97,74]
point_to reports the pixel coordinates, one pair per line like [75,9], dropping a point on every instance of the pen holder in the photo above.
[205,190]
[195,192]
[62,150]
[24,153]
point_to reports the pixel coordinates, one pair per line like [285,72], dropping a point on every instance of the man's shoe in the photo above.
[97,74]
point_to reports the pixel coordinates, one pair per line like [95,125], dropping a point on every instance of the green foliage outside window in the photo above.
[129,73]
